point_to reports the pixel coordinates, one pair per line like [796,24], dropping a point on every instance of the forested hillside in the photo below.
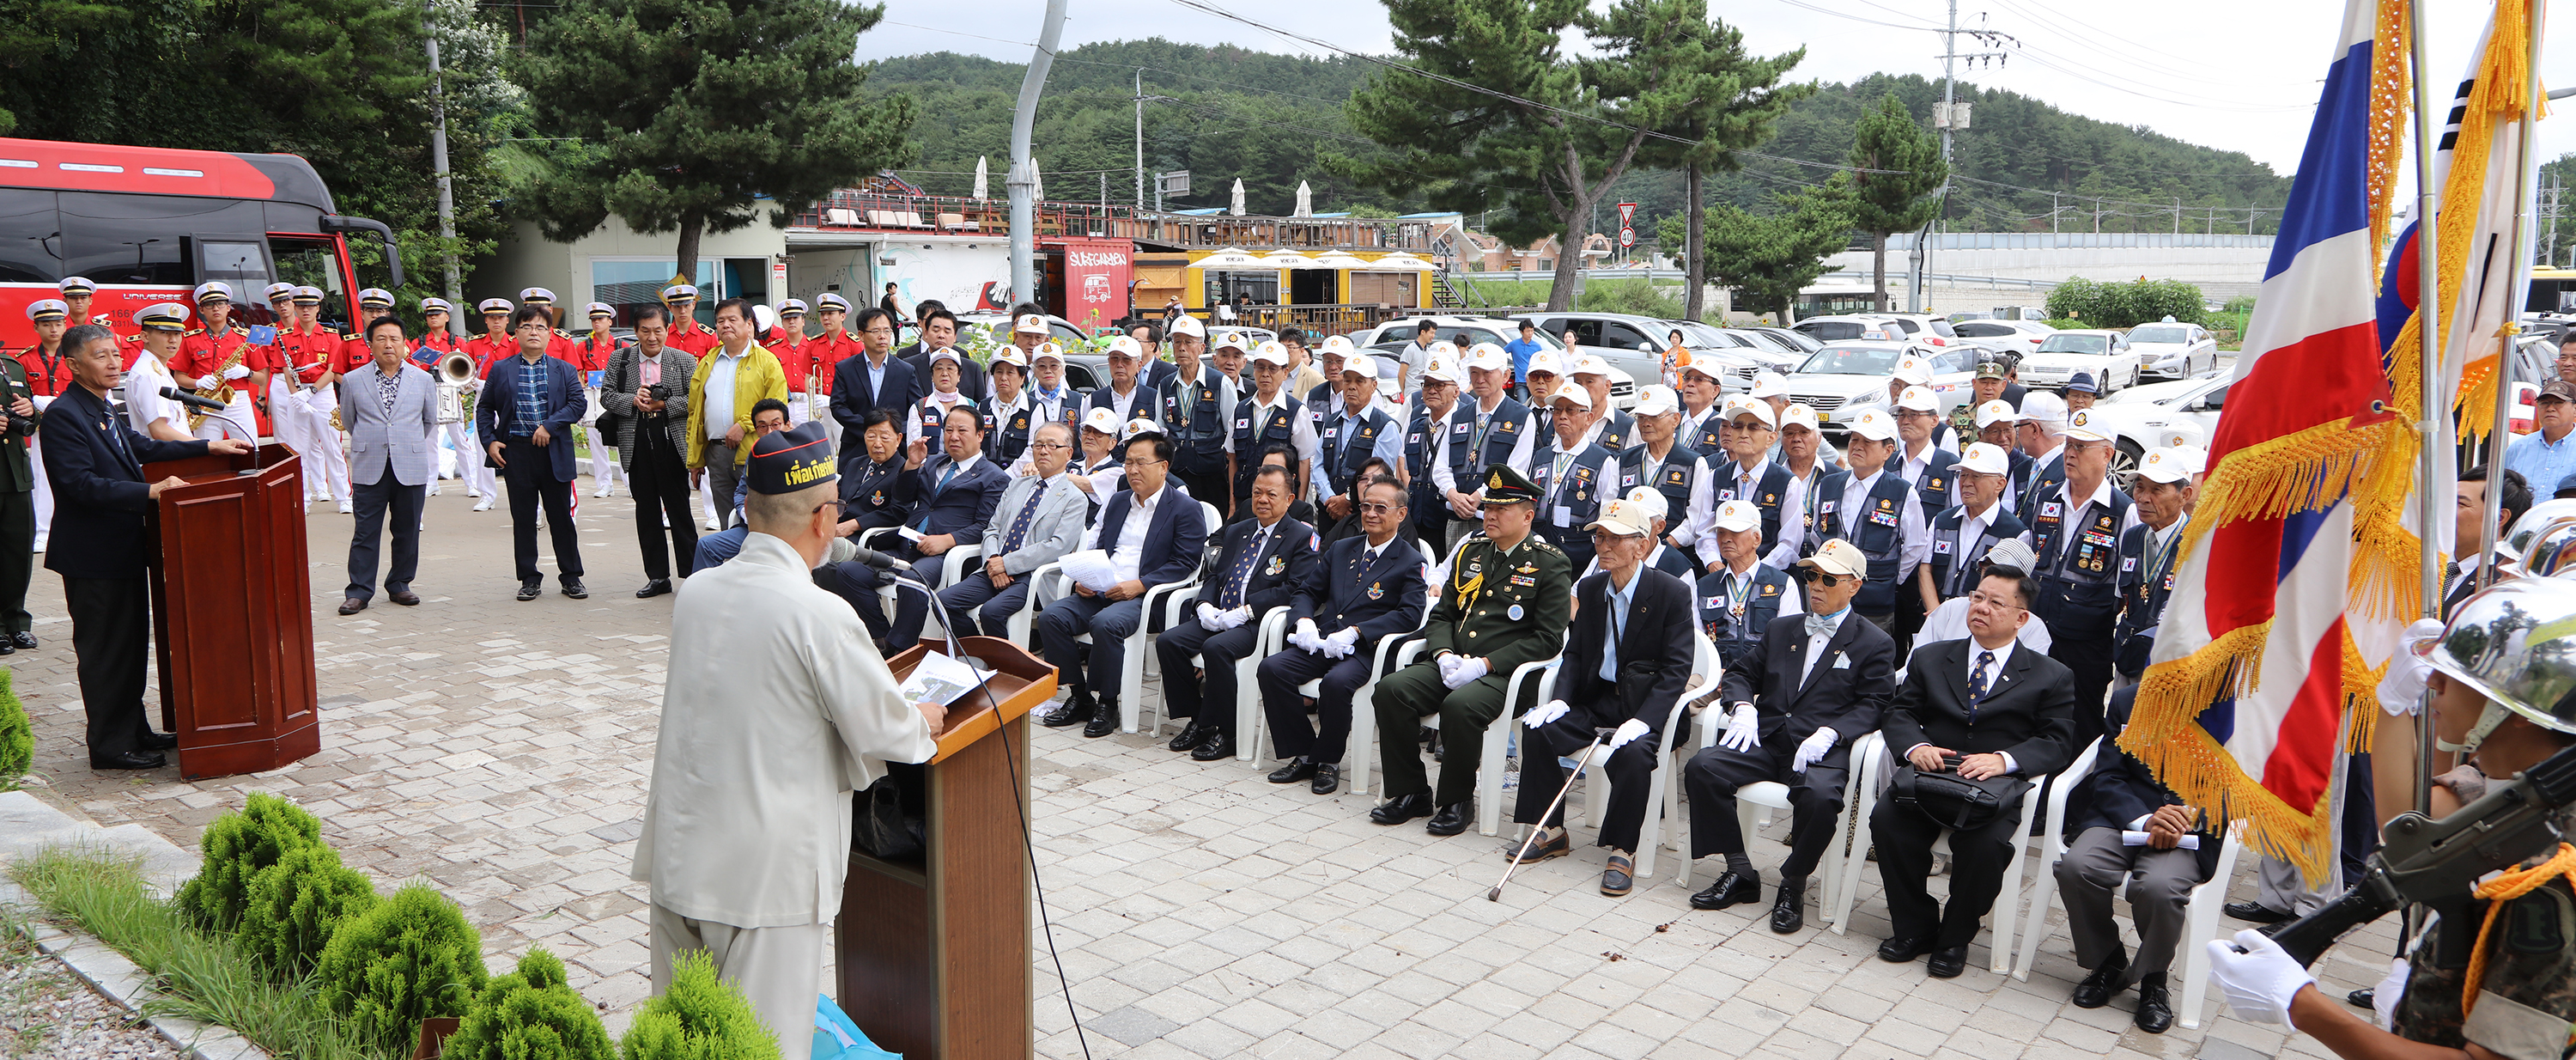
[1265,117]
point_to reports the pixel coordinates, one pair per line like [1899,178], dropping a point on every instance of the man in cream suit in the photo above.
[390,407]
[1037,521]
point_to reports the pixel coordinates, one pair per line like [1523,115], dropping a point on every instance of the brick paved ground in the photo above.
[501,750]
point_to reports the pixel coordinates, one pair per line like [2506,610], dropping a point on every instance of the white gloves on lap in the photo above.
[1457,671]
[1546,712]
[1813,749]
[1341,643]
[1743,729]
[1629,731]
[1220,621]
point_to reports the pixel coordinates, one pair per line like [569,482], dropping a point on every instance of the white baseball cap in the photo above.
[1918,399]
[1915,371]
[1838,557]
[1768,385]
[1187,325]
[1101,419]
[1047,351]
[1573,393]
[1270,353]
[1362,363]
[1142,425]
[1624,518]
[1591,365]
[1798,414]
[1983,459]
[1874,423]
[1993,412]
[2083,429]
[1122,346]
[2193,457]
[1650,501]
[1444,369]
[2164,465]
[1545,361]
[1029,324]
[1487,356]
[1010,355]
[1448,349]
[1760,410]
[1739,516]
[1337,344]
[1231,338]
[950,356]
[2042,407]
[1656,400]
[1707,366]
[2011,552]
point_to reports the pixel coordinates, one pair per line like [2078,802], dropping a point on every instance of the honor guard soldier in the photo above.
[2041,431]
[1009,421]
[1441,380]
[1815,488]
[79,293]
[45,372]
[1268,416]
[1356,428]
[2164,497]
[795,353]
[1680,475]
[686,332]
[492,346]
[1195,407]
[1880,514]
[1996,425]
[1748,473]
[1612,429]
[2078,529]
[829,349]
[1487,430]
[163,327]
[1504,601]
[1968,530]
[594,352]
[221,355]
[1740,596]
[1571,476]
[435,341]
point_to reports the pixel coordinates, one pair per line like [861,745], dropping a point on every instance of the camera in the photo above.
[658,391]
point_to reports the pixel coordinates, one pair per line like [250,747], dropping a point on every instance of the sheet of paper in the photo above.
[938,679]
[909,534]
[2131,838]
[1091,568]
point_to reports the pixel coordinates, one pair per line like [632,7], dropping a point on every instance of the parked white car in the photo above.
[1845,377]
[2103,354]
[2015,336]
[2174,350]
[2159,414]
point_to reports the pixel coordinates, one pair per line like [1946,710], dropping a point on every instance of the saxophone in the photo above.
[217,389]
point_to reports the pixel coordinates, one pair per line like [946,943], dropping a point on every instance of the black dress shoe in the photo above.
[405,597]
[1402,808]
[1299,768]
[2155,1006]
[351,605]
[1788,909]
[2255,913]
[1947,962]
[1191,736]
[158,741]
[1903,949]
[128,760]
[651,589]
[23,639]
[1217,747]
[572,587]
[1104,720]
[2098,986]
[1451,820]
[530,590]
[8,646]
[2366,997]
[1731,888]
[1078,708]
[1328,778]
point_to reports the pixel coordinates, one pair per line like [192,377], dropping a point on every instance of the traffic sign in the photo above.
[1627,238]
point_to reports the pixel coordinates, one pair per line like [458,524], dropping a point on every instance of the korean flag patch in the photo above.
[2049,510]
[2128,564]
[1243,424]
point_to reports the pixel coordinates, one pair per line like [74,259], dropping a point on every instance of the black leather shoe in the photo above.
[1299,768]
[653,588]
[1903,949]
[1191,736]
[23,640]
[530,590]
[2096,990]
[1217,747]
[1947,962]
[1731,888]
[1402,808]
[2254,913]
[1103,720]
[1552,843]
[2155,1006]
[572,587]
[1328,778]
[158,741]
[1451,820]
[128,760]
[1788,909]
[350,605]
[1077,709]
[2366,997]
[405,597]
[8,646]
[1619,877]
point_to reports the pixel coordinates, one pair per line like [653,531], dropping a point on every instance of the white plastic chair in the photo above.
[2200,924]
[954,564]
[2052,848]
[1132,715]
[1660,784]
[1363,753]
[1755,803]
[1864,790]
[1498,735]
[1269,635]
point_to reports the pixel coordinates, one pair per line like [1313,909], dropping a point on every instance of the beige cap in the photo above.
[1187,325]
[1838,557]
[1047,351]
[1768,385]
[1875,424]
[1738,516]
[1545,361]
[1760,410]
[1573,393]
[1103,420]
[1270,353]
[1983,459]
[2164,465]
[1993,412]
[1918,399]
[1122,346]
[1625,518]
[1361,363]
[1656,400]
[1592,365]
[1029,324]
[1231,338]
[1915,371]
[1651,501]
[2082,428]
[1798,414]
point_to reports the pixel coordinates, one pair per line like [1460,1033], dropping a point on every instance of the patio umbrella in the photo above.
[1305,200]
[1229,258]
[979,177]
[1289,259]
[1238,197]
[1339,259]
[1402,262]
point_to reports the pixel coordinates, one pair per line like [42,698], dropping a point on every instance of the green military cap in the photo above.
[1990,370]
[1506,486]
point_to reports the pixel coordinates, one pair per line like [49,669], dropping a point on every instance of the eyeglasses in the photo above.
[1374,508]
[1611,536]
[843,505]
[1982,598]
[1049,446]
[1134,464]
[1827,579]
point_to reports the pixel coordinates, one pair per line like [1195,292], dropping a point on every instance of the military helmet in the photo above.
[2517,538]
[2516,643]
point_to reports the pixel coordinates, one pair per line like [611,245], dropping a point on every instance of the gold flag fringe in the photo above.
[2281,477]
[2391,91]
[2165,734]
[2502,89]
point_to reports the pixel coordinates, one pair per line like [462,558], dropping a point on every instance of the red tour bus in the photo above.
[149,224]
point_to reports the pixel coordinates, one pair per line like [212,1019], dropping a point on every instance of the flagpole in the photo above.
[2525,189]
[2428,306]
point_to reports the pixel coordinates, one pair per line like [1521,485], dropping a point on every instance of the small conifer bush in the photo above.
[411,957]
[296,904]
[530,1014]
[701,1017]
[237,846]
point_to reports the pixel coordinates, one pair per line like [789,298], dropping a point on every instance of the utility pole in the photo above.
[1949,119]
[1023,180]
[2177,215]
[2052,213]
[438,166]
[1140,138]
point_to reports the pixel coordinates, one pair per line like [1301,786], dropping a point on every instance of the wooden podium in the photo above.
[933,954]
[232,613]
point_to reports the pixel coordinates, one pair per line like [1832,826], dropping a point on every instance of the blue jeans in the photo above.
[715,548]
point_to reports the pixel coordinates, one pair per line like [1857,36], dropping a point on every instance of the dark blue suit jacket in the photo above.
[1286,564]
[101,503]
[1175,542]
[1655,650]
[852,398]
[2121,789]
[962,509]
[1385,600]
[497,410]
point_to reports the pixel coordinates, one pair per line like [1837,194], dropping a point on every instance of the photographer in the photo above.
[2501,689]
[647,389]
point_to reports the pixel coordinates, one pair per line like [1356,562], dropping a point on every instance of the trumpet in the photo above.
[455,372]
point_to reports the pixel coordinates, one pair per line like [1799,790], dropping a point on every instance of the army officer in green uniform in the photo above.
[17,508]
[1504,603]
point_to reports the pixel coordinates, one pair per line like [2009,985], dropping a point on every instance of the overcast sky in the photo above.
[2235,74]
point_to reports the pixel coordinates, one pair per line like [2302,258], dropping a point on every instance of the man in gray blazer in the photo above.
[390,406]
[1037,521]
[647,389]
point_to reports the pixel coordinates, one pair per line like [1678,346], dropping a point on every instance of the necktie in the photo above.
[385,386]
[2450,577]
[935,490]
[1360,567]
[1242,572]
[1977,683]
[1020,526]
[1820,625]
[1618,628]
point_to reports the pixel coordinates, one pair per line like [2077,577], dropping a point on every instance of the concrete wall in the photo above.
[526,258]
[846,271]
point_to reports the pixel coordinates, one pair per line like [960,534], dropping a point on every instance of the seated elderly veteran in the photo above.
[1650,504]
[1950,620]
[869,499]
[1984,709]
[774,710]
[1154,534]
[1740,599]
[1795,704]
[2129,829]
[1627,660]
[1502,603]
[1037,521]
[1365,588]
[1266,559]
[952,497]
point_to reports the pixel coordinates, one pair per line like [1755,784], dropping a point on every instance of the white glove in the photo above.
[1467,672]
[2390,991]
[1236,617]
[1208,616]
[1304,636]
[1813,749]
[1347,638]
[2260,981]
[1448,664]
[1629,730]
[238,371]
[1743,729]
[1546,712]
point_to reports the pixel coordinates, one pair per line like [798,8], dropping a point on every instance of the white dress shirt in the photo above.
[1127,553]
[1301,427]
[912,432]
[719,402]
[1816,642]
[1519,458]
[1793,517]
[1994,673]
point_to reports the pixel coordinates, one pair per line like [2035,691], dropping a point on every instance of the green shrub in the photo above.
[237,846]
[530,1014]
[297,903]
[17,738]
[411,957]
[2121,305]
[1640,297]
[701,1017]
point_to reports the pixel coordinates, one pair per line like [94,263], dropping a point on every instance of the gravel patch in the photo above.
[47,1013]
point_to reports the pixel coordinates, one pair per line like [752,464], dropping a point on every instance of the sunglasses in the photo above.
[1827,579]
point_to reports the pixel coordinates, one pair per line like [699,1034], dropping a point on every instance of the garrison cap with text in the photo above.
[793,459]
[1506,486]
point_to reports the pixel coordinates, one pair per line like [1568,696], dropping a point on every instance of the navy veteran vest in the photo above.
[2079,564]
[2146,580]
[1502,434]
[1955,562]
[1734,612]
[1879,530]
[1278,426]
[1342,461]
[1680,471]
[1007,429]
[1939,483]
[1767,495]
[1198,432]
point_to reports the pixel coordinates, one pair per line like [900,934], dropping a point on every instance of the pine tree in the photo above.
[1772,257]
[1900,168]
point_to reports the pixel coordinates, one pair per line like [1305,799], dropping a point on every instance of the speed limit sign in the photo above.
[1627,238]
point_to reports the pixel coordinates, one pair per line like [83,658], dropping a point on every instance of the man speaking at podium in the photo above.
[774,710]
[102,509]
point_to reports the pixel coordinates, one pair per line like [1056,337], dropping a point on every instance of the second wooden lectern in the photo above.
[232,613]
[933,953]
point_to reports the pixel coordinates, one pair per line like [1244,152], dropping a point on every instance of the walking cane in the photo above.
[1496,894]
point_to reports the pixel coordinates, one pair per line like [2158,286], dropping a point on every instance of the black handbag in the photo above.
[1953,801]
[882,827]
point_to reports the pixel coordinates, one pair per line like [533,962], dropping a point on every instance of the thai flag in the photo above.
[2242,711]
